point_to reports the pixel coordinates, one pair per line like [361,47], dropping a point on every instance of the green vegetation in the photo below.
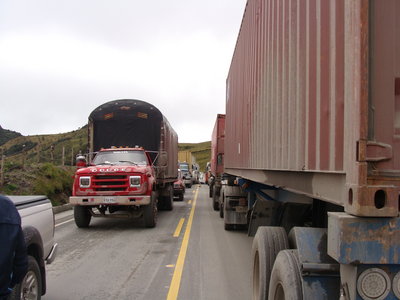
[6,135]
[201,151]
[38,179]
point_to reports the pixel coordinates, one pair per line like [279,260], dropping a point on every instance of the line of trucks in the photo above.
[307,156]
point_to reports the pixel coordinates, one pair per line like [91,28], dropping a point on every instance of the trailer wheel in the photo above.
[82,216]
[285,280]
[150,212]
[215,199]
[267,243]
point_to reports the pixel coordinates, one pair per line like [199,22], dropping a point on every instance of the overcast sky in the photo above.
[60,59]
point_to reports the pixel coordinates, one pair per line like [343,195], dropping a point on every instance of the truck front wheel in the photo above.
[82,216]
[285,277]
[267,243]
[31,285]
[150,212]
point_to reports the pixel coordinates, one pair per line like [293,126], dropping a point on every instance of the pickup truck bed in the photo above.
[37,221]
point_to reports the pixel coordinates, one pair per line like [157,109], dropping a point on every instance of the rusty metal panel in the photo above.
[314,87]
[217,146]
[350,237]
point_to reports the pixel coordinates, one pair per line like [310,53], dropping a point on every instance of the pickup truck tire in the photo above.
[285,280]
[82,216]
[31,285]
[267,243]
[150,212]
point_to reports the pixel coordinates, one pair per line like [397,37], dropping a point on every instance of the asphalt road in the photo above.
[121,259]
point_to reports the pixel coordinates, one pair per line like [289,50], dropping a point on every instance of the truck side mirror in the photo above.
[81,161]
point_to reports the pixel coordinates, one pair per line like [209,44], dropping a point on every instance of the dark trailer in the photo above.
[131,123]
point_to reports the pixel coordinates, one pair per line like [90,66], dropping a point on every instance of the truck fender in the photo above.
[320,272]
[34,245]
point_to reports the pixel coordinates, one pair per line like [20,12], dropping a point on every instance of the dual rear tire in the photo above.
[276,270]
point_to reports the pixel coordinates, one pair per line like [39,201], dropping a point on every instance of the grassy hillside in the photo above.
[46,148]
[6,135]
[201,151]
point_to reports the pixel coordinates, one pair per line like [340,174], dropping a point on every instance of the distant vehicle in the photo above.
[186,157]
[202,178]
[37,221]
[134,164]
[216,166]
[186,174]
[179,186]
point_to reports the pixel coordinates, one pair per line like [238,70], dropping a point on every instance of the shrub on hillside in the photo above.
[54,182]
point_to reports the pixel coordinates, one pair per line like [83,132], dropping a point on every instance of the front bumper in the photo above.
[110,200]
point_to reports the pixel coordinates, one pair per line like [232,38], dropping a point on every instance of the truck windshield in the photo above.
[184,167]
[120,157]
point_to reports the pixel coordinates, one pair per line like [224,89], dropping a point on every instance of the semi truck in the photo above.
[132,164]
[312,137]
[227,196]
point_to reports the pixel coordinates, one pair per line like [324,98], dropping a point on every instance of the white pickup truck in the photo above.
[38,226]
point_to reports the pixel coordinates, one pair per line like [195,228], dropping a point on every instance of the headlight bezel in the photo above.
[88,183]
[135,181]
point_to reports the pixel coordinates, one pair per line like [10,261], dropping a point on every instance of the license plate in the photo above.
[109,200]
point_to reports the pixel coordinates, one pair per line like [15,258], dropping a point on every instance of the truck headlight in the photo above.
[373,284]
[134,181]
[84,181]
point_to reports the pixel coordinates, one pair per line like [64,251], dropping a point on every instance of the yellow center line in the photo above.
[179,227]
[176,278]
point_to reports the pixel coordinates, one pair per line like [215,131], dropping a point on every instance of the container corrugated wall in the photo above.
[217,146]
[313,88]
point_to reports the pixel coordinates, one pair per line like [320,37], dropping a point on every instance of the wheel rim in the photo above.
[30,286]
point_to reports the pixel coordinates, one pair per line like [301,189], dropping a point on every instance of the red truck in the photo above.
[312,135]
[132,164]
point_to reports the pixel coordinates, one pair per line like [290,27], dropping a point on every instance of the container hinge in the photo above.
[370,151]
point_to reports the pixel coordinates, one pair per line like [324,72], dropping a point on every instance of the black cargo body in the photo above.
[131,123]
[126,123]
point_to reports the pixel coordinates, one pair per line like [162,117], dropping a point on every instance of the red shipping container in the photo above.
[217,146]
[313,101]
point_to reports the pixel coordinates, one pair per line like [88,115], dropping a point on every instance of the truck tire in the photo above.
[82,216]
[180,197]
[215,199]
[221,206]
[267,243]
[166,200]
[150,212]
[285,283]
[31,285]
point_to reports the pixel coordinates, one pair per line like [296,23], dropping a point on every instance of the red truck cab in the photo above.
[117,179]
